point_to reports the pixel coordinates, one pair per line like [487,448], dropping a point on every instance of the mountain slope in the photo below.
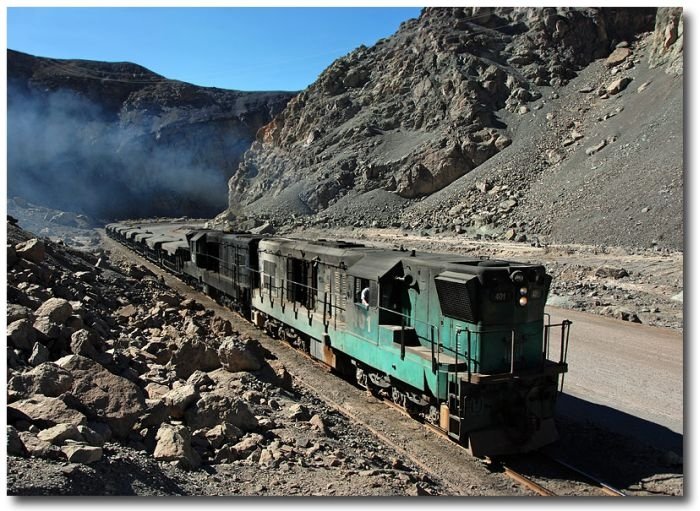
[421,108]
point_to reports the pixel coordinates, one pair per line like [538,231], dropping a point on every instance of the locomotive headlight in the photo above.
[523,291]
[518,277]
[523,301]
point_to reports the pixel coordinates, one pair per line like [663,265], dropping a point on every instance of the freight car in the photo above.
[459,342]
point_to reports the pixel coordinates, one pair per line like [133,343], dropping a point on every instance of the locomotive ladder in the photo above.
[454,395]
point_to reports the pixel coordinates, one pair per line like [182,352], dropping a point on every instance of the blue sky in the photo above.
[234,48]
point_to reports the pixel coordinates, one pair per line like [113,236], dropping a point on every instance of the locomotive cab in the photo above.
[504,400]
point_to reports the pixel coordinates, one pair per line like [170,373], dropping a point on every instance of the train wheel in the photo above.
[398,397]
[433,415]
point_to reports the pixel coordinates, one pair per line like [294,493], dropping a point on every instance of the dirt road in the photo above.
[625,377]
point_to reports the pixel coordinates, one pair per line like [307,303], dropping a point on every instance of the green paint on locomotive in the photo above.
[405,302]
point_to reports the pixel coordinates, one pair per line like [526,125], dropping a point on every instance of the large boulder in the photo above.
[220,326]
[59,433]
[617,86]
[91,436]
[179,399]
[15,446]
[212,409]
[174,444]
[222,434]
[156,390]
[47,379]
[47,328]
[81,453]
[16,312]
[192,355]
[279,374]
[247,445]
[40,448]
[200,379]
[45,412]
[40,354]
[104,396]
[236,355]
[32,250]
[57,310]
[83,343]
[156,414]
[618,56]
[614,272]
[21,334]
[298,412]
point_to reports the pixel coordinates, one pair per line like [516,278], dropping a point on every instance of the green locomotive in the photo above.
[460,342]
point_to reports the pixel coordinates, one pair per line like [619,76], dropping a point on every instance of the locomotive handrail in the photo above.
[565,330]
[467,353]
[331,308]
[430,326]
[282,289]
[432,349]
[456,349]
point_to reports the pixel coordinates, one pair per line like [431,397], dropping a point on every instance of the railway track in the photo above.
[549,476]
[580,481]
[580,478]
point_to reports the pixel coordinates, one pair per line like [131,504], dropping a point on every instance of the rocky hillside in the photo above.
[599,161]
[116,140]
[496,123]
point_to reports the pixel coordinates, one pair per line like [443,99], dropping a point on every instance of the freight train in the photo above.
[461,343]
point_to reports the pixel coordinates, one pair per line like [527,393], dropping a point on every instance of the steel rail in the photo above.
[527,482]
[604,487]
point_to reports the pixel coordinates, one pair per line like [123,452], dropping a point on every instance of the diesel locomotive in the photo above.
[462,343]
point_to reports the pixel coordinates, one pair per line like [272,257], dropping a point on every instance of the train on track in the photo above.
[461,343]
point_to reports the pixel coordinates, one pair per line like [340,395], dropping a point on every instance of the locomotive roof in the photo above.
[374,266]
[143,236]
[153,241]
[342,251]
[362,261]
[172,246]
[378,262]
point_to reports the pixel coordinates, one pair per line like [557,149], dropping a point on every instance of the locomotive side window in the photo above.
[363,292]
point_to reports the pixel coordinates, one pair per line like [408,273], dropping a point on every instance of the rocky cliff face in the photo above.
[418,110]
[117,140]
[667,43]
